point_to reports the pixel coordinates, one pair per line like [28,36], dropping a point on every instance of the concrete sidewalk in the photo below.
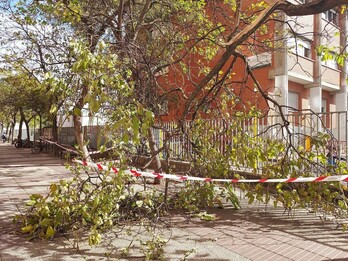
[253,233]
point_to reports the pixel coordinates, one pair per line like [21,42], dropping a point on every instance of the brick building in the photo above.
[292,71]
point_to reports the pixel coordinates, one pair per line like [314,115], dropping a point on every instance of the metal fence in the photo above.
[301,129]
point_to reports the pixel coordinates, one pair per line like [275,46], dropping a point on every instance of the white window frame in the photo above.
[331,16]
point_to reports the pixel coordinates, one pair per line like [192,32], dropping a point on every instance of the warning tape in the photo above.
[137,173]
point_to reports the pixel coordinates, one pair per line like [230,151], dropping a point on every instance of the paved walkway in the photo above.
[253,233]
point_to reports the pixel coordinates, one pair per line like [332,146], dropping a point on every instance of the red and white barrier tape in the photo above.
[138,173]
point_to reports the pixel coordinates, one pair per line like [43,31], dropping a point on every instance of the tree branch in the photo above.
[314,7]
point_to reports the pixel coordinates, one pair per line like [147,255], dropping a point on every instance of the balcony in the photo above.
[330,79]
[300,69]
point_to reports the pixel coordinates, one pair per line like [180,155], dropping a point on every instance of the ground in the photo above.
[256,232]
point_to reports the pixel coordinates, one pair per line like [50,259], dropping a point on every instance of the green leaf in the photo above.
[208,217]
[53,109]
[341,204]
[46,222]
[251,199]
[53,188]
[94,105]
[36,196]
[50,232]
[27,228]
[340,60]
[77,111]
[31,202]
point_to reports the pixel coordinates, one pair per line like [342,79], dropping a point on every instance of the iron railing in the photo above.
[301,129]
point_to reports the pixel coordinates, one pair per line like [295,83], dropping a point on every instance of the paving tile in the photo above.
[292,249]
[337,255]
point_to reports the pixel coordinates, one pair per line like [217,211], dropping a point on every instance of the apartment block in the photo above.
[304,79]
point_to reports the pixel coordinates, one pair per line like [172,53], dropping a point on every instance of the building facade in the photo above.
[300,71]
[304,78]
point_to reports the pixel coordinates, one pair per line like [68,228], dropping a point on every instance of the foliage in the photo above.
[154,248]
[22,93]
[97,202]
[195,196]
[205,216]
[32,47]
[100,202]
[324,198]
[236,143]
[233,148]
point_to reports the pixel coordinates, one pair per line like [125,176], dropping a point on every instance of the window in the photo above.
[307,51]
[323,106]
[331,15]
[300,47]
[293,99]
[331,64]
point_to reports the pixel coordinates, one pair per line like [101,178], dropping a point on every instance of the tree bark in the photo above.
[19,137]
[79,137]
[55,134]
[155,155]
[313,7]
[13,124]
[77,119]
[28,130]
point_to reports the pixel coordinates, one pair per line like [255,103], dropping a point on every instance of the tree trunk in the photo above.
[40,125]
[56,149]
[23,119]
[79,137]
[13,124]
[28,130]
[20,131]
[54,128]
[19,137]
[77,119]
[8,130]
[155,155]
